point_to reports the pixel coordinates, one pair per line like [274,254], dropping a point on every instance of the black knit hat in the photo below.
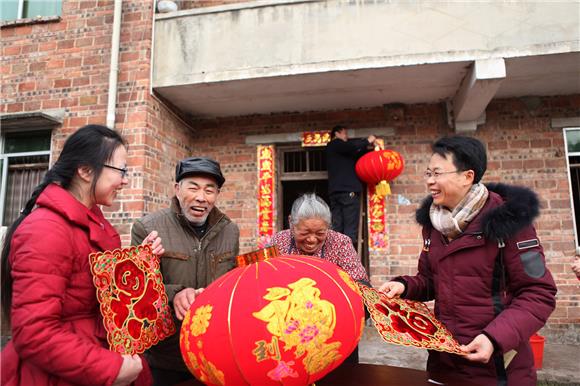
[199,165]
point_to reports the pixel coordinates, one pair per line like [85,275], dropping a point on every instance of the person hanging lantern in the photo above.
[380,167]
[288,320]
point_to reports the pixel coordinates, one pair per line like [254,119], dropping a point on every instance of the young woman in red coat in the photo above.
[58,336]
[483,265]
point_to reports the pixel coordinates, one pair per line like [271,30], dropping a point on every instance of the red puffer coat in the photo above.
[58,336]
[506,296]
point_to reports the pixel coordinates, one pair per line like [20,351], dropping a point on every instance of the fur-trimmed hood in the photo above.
[519,209]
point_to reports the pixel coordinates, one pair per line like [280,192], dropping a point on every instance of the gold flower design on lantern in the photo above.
[303,321]
[203,369]
[200,321]
[348,280]
[207,372]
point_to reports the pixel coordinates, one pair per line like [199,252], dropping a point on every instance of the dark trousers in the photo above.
[163,377]
[345,209]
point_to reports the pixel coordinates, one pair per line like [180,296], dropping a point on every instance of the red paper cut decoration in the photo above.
[132,296]
[408,322]
[379,167]
[288,320]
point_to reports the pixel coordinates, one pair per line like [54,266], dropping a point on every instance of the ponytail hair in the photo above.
[90,146]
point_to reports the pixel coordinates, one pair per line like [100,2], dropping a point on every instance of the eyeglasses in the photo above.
[428,174]
[123,171]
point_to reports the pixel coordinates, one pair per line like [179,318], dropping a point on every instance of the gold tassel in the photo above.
[383,189]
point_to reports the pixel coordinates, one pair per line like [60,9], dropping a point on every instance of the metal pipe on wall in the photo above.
[114,69]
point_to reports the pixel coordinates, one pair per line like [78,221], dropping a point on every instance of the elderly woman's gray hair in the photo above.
[309,206]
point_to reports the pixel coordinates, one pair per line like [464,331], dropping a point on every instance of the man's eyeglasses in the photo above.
[123,171]
[428,174]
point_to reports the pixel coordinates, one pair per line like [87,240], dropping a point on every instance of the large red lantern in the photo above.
[379,167]
[288,320]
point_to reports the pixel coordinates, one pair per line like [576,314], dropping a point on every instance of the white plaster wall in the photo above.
[263,39]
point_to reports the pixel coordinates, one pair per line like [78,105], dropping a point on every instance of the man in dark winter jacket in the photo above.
[483,264]
[344,187]
[201,244]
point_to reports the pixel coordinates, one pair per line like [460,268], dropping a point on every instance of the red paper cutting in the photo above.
[132,296]
[408,322]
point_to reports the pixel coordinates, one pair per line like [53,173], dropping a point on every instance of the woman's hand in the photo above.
[130,370]
[392,289]
[155,241]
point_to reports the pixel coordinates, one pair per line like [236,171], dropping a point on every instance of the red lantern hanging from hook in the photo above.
[380,167]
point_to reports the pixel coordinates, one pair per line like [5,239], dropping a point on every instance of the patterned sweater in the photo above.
[337,249]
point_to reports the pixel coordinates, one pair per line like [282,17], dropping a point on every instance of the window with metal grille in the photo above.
[301,170]
[24,161]
[572,140]
[303,160]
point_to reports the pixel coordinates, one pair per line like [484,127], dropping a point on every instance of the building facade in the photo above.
[225,79]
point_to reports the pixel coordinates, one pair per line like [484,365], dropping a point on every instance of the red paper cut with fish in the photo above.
[132,296]
[408,322]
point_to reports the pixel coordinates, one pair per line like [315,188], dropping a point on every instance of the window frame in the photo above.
[568,154]
[20,13]
[5,157]
[301,175]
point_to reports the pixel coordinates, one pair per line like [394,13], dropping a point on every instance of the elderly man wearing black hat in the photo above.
[200,243]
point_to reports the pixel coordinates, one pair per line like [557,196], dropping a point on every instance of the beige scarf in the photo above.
[452,223]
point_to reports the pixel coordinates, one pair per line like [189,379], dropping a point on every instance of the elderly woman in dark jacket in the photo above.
[483,264]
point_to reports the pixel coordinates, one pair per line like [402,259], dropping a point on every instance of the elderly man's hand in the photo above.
[183,300]
[155,241]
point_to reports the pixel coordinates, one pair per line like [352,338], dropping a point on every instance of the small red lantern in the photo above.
[379,167]
[288,320]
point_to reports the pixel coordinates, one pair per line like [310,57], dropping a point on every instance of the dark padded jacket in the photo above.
[341,159]
[187,262]
[505,293]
